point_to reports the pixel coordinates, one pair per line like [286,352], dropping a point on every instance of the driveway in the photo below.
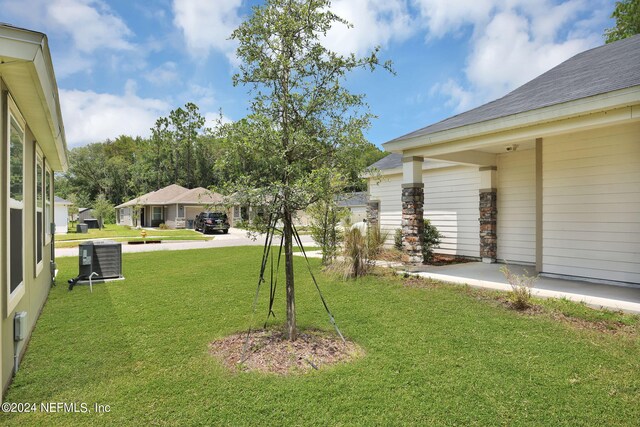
[236,237]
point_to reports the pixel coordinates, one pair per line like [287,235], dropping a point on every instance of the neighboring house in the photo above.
[174,205]
[548,175]
[244,213]
[61,214]
[356,203]
[85,213]
[33,147]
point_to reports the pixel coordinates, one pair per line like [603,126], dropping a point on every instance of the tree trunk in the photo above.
[288,257]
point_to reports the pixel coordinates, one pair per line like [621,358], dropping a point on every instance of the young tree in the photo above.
[627,16]
[72,210]
[103,209]
[302,119]
[325,216]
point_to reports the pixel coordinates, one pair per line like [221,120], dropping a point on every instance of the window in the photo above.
[236,211]
[48,197]
[15,218]
[39,219]
[157,213]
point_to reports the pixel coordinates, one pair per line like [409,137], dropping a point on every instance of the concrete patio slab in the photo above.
[477,274]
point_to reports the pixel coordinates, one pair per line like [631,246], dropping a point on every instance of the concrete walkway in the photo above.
[236,237]
[477,274]
[489,276]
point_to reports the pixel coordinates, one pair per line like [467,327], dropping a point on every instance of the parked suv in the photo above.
[212,221]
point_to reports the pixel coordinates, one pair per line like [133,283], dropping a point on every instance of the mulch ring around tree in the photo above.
[269,351]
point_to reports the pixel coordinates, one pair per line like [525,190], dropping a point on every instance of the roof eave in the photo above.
[581,107]
[27,52]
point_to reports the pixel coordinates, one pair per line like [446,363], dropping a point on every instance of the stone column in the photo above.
[488,214]
[373,213]
[412,208]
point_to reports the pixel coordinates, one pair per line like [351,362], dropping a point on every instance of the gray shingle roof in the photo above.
[173,194]
[352,199]
[392,161]
[593,72]
[60,201]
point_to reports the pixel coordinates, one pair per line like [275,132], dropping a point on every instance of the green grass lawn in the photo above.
[435,355]
[123,233]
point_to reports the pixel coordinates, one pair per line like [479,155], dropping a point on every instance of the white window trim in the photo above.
[13,298]
[47,200]
[38,160]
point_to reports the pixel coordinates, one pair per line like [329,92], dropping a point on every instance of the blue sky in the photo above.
[122,64]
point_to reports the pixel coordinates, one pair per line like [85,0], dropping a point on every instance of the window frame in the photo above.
[13,113]
[38,162]
[153,213]
[48,202]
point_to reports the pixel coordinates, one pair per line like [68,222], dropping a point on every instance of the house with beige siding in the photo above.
[174,206]
[32,148]
[547,176]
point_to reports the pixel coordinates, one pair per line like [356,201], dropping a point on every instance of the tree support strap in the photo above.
[324,302]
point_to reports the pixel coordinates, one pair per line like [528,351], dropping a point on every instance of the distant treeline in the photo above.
[180,151]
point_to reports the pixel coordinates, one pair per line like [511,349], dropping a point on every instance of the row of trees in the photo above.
[180,150]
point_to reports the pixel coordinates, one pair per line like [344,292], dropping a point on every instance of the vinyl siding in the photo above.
[517,206]
[190,214]
[37,285]
[358,213]
[591,196]
[388,191]
[451,204]
[126,216]
[61,219]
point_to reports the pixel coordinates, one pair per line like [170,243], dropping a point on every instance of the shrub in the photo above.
[376,239]
[355,250]
[324,219]
[163,226]
[521,285]
[430,240]
[397,239]
[359,251]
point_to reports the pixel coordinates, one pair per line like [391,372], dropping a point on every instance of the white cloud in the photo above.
[459,99]
[202,96]
[213,119]
[83,27]
[443,17]
[72,62]
[513,42]
[164,74]
[92,117]
[90,24]
[207,25]
[509,54]
[375,23]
